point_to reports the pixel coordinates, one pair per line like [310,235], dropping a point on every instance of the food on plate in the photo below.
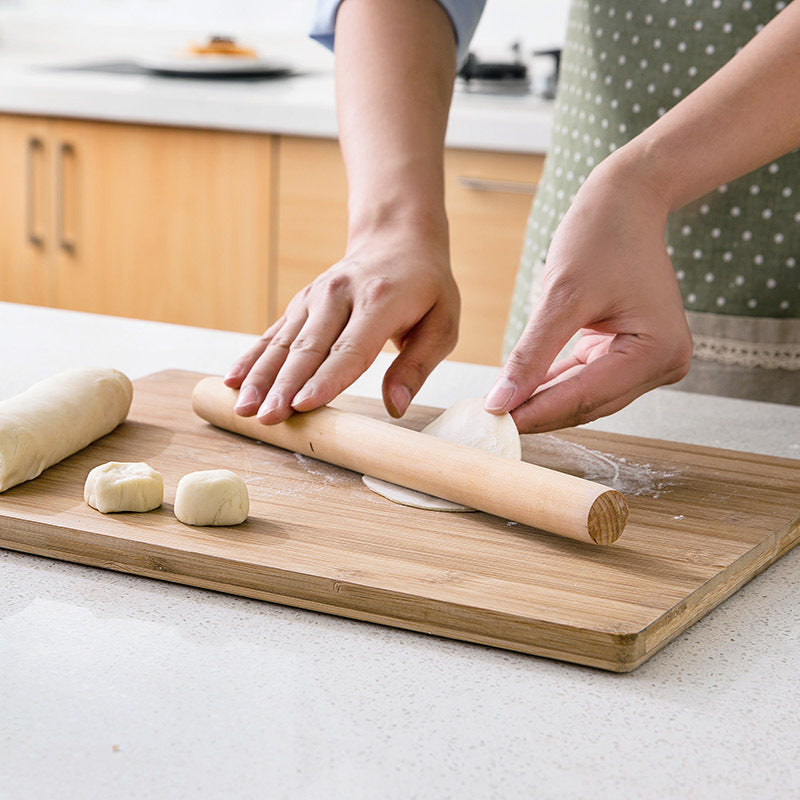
[124,486]
[57,417]
[222,46]
[212,497]
[466,422]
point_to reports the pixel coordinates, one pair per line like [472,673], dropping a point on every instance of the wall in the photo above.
[541,21]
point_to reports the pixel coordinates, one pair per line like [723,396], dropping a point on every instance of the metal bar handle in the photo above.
[64,149]
[35,145]
[487,185]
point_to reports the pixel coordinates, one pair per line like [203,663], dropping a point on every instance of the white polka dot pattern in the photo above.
[624,64]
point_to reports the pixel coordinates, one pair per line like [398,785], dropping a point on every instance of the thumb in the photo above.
[433,337]
[549,328]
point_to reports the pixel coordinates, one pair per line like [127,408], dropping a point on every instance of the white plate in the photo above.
[211,65]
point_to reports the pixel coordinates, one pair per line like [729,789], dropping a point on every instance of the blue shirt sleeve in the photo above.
[464,16]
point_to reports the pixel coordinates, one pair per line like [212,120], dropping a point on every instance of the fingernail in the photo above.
[271,402]
[234,372]
[401,398]
[247,396]
[304,394]
[500,395]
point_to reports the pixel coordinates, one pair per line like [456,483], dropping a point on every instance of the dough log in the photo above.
[57,417]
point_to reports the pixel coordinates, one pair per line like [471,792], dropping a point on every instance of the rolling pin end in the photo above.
[607,517]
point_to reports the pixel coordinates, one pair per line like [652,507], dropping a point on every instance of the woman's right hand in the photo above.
[394,285]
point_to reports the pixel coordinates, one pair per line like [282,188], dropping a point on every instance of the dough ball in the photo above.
[124,486]
[212,497]
[465,422]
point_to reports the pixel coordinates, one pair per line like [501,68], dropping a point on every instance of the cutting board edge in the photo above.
[608,650]
[718,589]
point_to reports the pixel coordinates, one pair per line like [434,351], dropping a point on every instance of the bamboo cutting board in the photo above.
[703,522]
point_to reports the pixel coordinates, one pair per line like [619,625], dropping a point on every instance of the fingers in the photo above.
[551,326]
[308,348]
[428,343]
[238,372]
[368,329]
[583,393]
[266,366]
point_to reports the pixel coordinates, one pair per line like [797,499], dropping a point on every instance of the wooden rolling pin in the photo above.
[515,490]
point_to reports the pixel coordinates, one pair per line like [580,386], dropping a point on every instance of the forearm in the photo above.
[395,67]
[745,115]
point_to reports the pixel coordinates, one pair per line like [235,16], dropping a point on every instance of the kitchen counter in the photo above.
[45,82]
[125,687]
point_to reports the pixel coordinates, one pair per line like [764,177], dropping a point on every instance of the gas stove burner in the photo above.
[501,77]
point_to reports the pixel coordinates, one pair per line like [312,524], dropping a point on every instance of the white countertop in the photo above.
[125,687]
[301,105]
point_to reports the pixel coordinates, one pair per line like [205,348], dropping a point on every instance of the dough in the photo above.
[409,497]
[57,417]
[212,497]
[124,486]
[465,423]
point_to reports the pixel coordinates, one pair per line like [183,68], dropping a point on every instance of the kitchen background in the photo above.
[542,21]
[132,178]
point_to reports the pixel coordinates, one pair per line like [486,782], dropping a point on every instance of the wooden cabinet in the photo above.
[156,223]
[311,212]
[221,229]
[488,198]
[26,273]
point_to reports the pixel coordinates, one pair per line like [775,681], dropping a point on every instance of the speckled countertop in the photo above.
[124,687]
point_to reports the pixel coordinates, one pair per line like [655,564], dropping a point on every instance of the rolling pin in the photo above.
[515,490]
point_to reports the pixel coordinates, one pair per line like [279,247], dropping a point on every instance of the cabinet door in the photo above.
[312,212]
[163,223]
[488,197]
[25,210]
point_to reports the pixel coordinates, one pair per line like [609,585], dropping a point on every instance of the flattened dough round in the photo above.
[212,497]
[465,423]
[124,486]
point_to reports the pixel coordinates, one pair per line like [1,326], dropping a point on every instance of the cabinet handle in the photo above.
[35,145]
[64,149]
[486,185]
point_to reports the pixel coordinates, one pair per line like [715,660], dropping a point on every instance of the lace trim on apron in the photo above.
[746,341]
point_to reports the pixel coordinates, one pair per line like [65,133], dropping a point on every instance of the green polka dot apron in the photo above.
[736,251]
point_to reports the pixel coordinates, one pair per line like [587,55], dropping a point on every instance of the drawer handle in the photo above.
[486,185]
[64,149]
[35,145]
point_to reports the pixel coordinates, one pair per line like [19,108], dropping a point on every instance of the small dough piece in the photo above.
[212,497]
[465,422]
[124,486]
[57,417]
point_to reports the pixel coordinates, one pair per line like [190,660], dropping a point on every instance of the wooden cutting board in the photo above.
[703,522]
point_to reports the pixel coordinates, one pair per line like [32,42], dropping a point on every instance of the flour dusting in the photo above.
[329,473]
[616,472]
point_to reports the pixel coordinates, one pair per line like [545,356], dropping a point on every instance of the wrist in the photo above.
[408,219]
[635,175]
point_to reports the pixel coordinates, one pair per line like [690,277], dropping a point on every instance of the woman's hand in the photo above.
[608,276]
[395,285]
